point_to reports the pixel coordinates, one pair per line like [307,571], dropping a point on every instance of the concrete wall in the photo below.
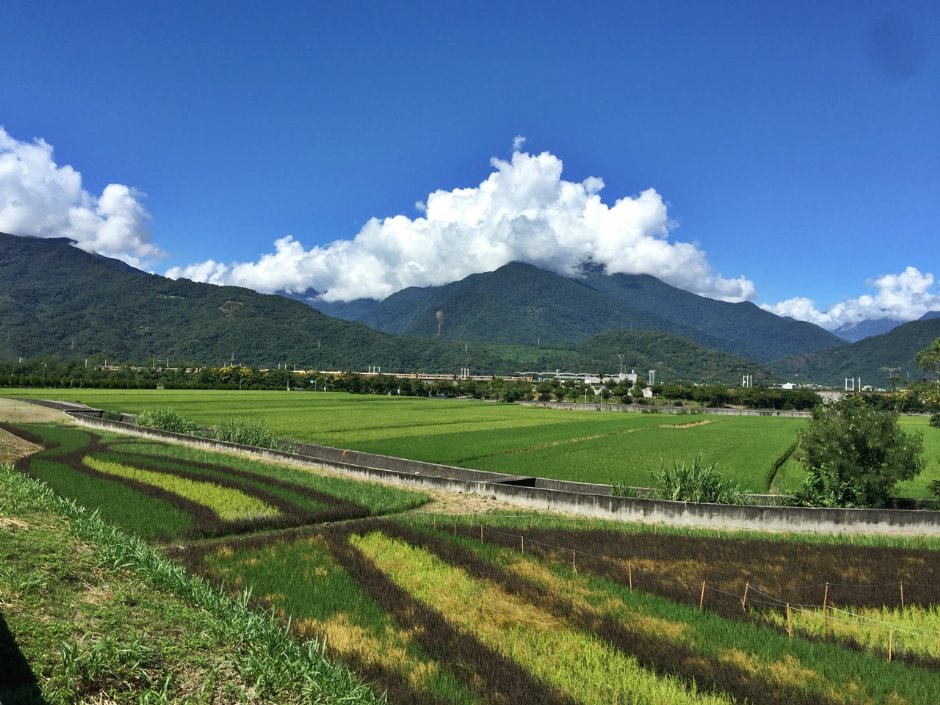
[575,498]
[653,409]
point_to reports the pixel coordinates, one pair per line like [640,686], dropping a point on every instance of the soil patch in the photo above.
[17,411]
[13,448]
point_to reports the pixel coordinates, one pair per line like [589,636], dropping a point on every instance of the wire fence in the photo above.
[888,635]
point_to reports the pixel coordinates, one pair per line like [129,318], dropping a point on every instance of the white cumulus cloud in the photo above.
[523,211]
[40,198]
[901,297]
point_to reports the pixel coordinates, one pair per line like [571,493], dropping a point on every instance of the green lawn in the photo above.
[588,447]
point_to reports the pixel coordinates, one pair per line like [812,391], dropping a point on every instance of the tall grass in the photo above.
[250,432]
[695,481]
[165,418]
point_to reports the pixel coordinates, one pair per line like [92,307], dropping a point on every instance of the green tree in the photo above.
[929,358]
[855,454]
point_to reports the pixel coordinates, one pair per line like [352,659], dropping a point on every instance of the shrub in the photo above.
[167,419]
[934,488]
[935,420]
[249,432]
[695,481]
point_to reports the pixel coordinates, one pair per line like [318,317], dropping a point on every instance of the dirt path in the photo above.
[14,411]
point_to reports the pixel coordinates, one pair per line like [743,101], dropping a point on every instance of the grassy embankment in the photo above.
[91,614]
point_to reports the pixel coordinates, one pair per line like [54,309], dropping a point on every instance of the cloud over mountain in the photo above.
[524,210]
[42,199]
[900,297]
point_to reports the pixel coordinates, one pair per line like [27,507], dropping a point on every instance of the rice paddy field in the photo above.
[570,445]
[164,492]
[509,610]
[505,608]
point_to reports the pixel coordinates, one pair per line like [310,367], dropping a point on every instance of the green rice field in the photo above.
[571,445]
[162,492]
[504,608]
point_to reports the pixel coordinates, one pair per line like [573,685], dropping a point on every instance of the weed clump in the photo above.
[692,481]
[165,418]
[250,432]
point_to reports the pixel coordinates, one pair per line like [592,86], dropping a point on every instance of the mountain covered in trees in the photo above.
[522,304]
[58,300]
[881,361]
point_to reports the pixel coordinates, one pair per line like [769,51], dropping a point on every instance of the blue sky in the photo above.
[788,153]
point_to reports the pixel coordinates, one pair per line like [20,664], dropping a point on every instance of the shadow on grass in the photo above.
[18,685]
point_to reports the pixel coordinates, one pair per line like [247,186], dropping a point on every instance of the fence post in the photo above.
[890,644]
[789,622]
[901,584]
[522,543]
[574,565]
[825,611]
[701,598]
[481,533]
[630,575]
[747,587]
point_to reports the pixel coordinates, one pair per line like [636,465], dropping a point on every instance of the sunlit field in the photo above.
[572,445]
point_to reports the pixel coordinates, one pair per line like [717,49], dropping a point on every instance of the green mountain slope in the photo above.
[58,300]
[875,359]
[522,304]
[517,303]
[746,329]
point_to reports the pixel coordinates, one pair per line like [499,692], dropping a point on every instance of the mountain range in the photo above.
[880,360]
[522,304]
[853,332]
[56,299]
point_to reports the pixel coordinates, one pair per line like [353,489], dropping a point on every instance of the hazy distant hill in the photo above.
[853,332]
[58,300]
[520,303]
[875,359]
